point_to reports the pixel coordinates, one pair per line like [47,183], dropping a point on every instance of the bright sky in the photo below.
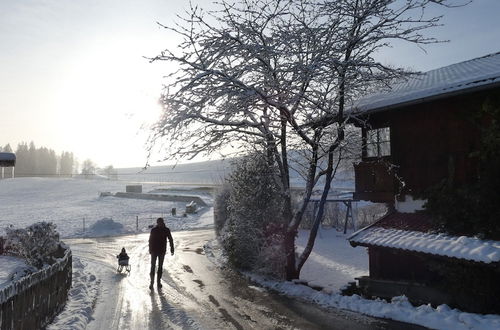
[73,76]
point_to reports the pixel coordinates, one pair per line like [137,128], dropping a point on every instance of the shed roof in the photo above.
[460,78]
[7,159]
[411,232]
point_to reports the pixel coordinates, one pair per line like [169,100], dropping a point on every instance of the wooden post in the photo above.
[84,227]
[136,223]
[347,214]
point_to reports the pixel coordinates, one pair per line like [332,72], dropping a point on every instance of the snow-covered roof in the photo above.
[460,247]
[409,231]
[7,159]
[479,73]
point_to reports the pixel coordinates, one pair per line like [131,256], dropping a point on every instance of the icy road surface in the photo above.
[196,294]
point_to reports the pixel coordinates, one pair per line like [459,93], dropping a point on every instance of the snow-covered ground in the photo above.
[10,266]
[66,202]
[74,203]
[332,259]
[333,262]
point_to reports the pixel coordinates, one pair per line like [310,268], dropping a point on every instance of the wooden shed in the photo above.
[406,257]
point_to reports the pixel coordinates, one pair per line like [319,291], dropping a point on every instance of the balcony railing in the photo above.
[374,182]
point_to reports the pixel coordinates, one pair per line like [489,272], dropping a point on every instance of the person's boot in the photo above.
[159,281]
[152,281]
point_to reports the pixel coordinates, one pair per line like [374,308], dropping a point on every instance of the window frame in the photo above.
[380,139]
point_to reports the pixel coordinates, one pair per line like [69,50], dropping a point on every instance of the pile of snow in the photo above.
[81,298]
[399,309]
[106,227]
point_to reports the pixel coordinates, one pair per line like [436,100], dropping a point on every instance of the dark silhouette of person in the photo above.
[123,255]
[158,247]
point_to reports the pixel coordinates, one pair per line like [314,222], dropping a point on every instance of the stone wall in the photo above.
[33,301]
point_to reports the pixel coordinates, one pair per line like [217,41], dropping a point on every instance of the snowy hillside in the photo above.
[214,172]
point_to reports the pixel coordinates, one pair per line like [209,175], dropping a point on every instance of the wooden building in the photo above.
[419,134]
[7,159]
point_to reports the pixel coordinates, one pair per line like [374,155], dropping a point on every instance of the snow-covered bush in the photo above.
[35,243]
[220,207]
[253,203]
[271,260]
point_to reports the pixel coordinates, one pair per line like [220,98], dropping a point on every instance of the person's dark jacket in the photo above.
[158,240]
[123,256]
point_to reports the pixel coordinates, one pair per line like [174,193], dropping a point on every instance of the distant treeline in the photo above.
[33,161]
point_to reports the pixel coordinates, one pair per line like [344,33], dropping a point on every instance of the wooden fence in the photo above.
[33,301]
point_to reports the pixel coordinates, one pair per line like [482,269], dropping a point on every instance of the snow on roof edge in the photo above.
[367,227]
[458,78]
[460,247]
[433,97]
[7,156]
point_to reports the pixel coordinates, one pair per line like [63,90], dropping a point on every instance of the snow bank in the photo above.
[399,309]
[81,299]
[106,227]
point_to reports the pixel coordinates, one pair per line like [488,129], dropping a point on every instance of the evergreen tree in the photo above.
[66,164]
[22,160]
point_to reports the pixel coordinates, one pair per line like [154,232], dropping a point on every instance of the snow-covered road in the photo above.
[196,294]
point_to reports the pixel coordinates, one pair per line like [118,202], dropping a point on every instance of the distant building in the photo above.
[418,135]
[7,159]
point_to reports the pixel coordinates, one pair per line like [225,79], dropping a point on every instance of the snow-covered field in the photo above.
[74,203]
[66,202]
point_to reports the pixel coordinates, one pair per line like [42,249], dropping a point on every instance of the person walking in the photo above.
[158,247]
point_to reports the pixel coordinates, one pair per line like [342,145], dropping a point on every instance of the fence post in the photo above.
[84,227]
[136,223]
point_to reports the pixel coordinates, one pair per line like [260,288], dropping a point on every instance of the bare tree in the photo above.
[88,168]
[110,172]
[281,74]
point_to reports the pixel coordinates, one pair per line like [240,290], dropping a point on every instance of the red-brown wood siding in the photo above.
[396,265]
[433,141]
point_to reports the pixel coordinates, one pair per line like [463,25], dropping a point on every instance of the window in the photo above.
[378,142]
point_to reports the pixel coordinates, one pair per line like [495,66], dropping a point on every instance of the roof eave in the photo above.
[365,228]
[428,99]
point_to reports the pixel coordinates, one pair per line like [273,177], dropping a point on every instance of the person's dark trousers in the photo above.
[160,257]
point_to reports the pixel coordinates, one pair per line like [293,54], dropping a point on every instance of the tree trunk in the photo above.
[317,221]
[290,267]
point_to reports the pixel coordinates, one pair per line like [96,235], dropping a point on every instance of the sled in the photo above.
[123,266]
